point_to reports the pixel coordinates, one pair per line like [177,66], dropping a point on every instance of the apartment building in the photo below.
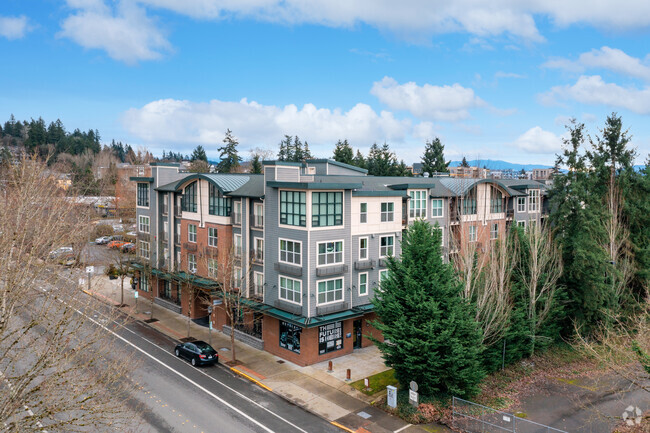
[308,243]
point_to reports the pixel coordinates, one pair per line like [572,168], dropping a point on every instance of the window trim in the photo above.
[367,248]
[257,239]
[366,284]
[255,285]
[363,215]
[521,223]
[142,186]
[442,208]
[423,193]
[237,270]
[521,207]
[280,290]
[194,195]
[475,231]
[141,225]
[319,216]
[214,261]
[494,237]
[335,301]
[380,247]
[280,251]
[215,237]
[189,263]
[234,244]
[536,195]
[189,233]
[335,241]
[391,212]
[258,214]
[140,249]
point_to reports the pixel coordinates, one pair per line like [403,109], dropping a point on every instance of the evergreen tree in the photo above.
[433,160]
[464,163]
[402,170]
[576,217]
[359,160]
[381,161]
[343,152]
[37,134]
[229,157]
[284,152]
[256,165]
[199,154]
[433,338]
[55,132]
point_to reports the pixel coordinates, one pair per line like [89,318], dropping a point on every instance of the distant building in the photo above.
[416,168]
[469,172]
[542,173]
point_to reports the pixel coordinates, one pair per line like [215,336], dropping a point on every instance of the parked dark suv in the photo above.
[198,352]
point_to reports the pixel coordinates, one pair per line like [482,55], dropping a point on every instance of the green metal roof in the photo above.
[287,163]
[366,193]
[225,183]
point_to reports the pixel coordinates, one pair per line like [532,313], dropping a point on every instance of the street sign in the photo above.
[210,324]
[90,269]
[391,396]
[413,385]
[217,302]
[135,295]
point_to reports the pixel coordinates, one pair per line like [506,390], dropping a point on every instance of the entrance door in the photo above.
[356,334]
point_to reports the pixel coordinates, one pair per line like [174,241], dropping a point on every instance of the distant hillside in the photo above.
[495,164]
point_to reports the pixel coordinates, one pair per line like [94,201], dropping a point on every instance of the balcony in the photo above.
[510,213]
[327,271]
[190,246]
[211,252]
[365,264]
[287,269]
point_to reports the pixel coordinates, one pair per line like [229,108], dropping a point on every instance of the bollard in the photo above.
[330,367]
[348,374]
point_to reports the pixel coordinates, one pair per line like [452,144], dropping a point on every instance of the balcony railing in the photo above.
[327,271]
[190,246]
[364,264]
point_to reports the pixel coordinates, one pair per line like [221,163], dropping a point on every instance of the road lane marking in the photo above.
[403,428]
[211,394]
[203,373]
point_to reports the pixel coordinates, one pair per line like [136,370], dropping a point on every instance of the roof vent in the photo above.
[425,174]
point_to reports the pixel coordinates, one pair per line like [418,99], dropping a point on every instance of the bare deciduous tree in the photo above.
[59,369]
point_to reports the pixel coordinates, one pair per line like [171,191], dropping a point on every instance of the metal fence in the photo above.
[475,418]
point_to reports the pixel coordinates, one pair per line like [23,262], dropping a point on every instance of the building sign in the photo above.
[330,337]
[290,336]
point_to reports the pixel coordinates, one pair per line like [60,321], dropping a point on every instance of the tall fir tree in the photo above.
[359,160]
[381,161]
[464,163]
[256,165]
[229,157]
[430,334]
[199,154]
[433,160]
[343,152]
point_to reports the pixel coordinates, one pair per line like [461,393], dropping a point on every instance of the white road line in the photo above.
[403,428]
[211,394]
[207,375]
[27,409]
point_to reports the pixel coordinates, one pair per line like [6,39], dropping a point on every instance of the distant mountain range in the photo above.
[497,164]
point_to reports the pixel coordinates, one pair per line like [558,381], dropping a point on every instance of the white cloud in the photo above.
[608,58]
[501,74]
[13,27]
[126,34]
[536,140]
[176,122]
[593,90]
[450,103]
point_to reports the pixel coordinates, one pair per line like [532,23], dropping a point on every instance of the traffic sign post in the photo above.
[89,271]
[413,393]
[210,325]
[136,300]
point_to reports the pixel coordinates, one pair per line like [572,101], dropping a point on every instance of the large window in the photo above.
[494,231]
[258,215]
[237,243]
[191,233]
[236,277]
[191,263]
[496,201]
[418,204]
[472,233]
[258,287]
[217,204]
[143,194]
[212,237]
[363,284]
[259,249]
[387,212]
[143,224]
[330,291]
[469,205]
[533,200]
[521,204]
[326,209]
[143,249]
[290,290]
[293,208]
[330,253]
[290,336]
[363,213]
[363,248]
[213,268]
[237,213]
[436,207]
[189,198]
[383,274]
[386,244]
[290,252]
[144,282]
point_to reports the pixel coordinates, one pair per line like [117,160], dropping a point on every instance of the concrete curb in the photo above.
[232,369]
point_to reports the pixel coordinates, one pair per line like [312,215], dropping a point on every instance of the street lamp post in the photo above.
[210,324]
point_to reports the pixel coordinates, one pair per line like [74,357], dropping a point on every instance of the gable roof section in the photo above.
[226,183]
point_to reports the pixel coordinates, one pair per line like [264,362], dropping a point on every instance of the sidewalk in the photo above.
[325,394]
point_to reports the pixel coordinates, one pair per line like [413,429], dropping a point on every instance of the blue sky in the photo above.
[493,81]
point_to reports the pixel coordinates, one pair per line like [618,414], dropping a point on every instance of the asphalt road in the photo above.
[170,395]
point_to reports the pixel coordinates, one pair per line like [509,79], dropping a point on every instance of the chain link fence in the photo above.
[475,418]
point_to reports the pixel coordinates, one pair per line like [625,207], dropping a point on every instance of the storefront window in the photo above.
[290,336]
[330,337]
